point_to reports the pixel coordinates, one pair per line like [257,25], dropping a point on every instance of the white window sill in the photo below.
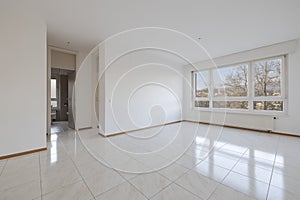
[244,112]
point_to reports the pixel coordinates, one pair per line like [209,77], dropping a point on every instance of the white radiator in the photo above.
[257,122]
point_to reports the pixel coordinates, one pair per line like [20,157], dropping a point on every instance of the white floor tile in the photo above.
[211,171]
[198,184]
[77,191]
[125,191]
[249,186]
[17,173]
[91,169]
[175,192]
[221,161]
[150,184]
[287,183]
[30,190]
[55,179]
[252,161]
[276,193]
[173,171]
[3,162]
[287,170]
[223,192]
[102,182]
[188,161]
[257,173]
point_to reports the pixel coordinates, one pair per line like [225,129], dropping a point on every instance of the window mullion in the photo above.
[210,91]
[251,86]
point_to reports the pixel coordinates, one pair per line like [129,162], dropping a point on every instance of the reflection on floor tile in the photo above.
[212,171]
[195,162]
[253,172]
[276,193]
[249,186]
[286,183]
[188,161]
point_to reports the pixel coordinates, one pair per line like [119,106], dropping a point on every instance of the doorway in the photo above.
[61,80]
[62,83]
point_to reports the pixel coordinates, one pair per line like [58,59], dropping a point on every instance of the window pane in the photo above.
[231,104]
[201,83]
[53,88]
[268,105]
[202,104]
[231,81]
[267,77]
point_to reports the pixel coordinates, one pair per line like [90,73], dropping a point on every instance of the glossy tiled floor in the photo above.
[196,162]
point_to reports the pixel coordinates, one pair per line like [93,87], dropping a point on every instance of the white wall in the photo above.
[63,60]
[22,81]
[85,89]
[83,94]
[132,97]
[132,93]
[141,93]
[288,123]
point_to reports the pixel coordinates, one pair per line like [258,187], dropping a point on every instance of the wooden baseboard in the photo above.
[284,134]
[126,132]
[241,128]
[205,123]
[85,128]
[22,153]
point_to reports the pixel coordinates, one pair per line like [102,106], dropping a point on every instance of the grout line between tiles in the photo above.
[69,157]
[214,148]
[189,169]
[3,167]
[111,169]
[83,180]
[269,185]
[61,187]
[220,183]
[131,184]
[229,171]
[40,173]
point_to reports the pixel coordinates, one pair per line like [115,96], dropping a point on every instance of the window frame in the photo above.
[195,98]
[251,98]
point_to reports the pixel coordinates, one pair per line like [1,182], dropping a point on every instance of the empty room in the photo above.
[157,100]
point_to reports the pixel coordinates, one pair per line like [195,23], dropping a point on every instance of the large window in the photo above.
[256,86]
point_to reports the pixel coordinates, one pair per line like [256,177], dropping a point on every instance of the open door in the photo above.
[71,82]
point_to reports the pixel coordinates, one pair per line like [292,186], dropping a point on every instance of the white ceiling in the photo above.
[224,26]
